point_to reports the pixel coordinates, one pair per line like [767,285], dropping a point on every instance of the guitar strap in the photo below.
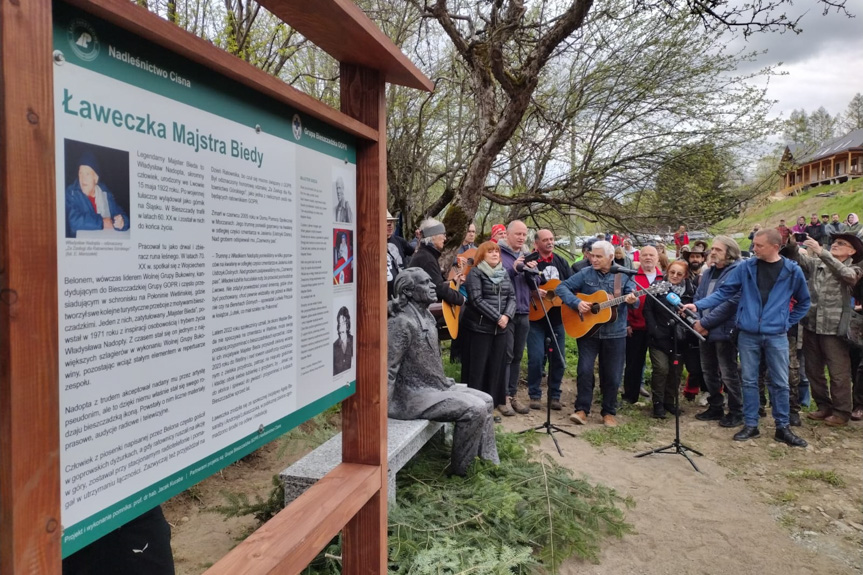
[618,285]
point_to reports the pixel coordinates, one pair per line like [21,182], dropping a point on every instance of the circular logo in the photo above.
[297,125]
[83,40]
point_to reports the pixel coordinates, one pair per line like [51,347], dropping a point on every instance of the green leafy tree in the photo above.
[696,187]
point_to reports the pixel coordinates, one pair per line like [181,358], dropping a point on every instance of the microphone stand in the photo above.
[548,426]
[675,447]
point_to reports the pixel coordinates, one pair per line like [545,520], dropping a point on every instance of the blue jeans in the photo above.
[536,350]
[775,349]
[611,353]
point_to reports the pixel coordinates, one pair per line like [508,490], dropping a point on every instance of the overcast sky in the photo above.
[824,63]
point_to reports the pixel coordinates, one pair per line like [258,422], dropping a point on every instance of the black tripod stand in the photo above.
[548,426]
[675,447]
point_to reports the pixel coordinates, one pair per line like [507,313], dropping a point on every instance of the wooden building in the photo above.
[832,162]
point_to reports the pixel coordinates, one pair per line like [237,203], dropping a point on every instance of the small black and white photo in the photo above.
[344,192]
[343,346]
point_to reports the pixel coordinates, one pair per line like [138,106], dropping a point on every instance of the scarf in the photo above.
[852,219]
[679,289]
[495,274]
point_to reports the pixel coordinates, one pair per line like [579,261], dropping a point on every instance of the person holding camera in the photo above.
[832,275]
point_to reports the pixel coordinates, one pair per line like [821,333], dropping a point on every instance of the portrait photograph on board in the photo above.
[97,191]
[343,346]
[343,256]
[343,197]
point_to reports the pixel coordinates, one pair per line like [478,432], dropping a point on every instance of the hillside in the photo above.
[847,197]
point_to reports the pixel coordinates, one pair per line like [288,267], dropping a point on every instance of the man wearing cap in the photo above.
[831,276]
[90,205]
[426,257]
[498,232]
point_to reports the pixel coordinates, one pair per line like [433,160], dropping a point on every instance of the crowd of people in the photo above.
[774,321]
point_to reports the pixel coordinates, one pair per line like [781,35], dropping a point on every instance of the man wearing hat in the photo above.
[427,256]
[831,276]
[695,258]
[90,205]
[498,232]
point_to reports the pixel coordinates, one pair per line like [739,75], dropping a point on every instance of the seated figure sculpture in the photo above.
[417,386]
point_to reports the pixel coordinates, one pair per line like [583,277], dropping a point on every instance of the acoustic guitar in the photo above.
[550,300]
[450,311]
[603,309]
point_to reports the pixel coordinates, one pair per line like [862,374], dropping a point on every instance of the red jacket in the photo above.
[635,316]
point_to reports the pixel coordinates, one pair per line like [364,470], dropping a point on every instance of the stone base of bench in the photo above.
[404,440]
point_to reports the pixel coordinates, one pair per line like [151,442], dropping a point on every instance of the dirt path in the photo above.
[756,508]
[733,517]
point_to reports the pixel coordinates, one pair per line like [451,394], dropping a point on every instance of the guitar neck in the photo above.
[619,300]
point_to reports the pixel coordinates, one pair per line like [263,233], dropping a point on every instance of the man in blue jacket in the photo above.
[90,205]
[609,341]
[765,286]
[718,353]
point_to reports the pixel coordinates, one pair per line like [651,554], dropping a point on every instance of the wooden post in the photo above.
[29,438]
[364,415]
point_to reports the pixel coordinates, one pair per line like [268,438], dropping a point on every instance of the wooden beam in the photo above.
[364,415]
[342,30]
[286,544]
[149,26]
[29,405]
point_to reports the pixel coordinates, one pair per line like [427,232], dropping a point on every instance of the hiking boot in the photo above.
[579,418]
[518,406]
[750,433]
[836,420]
[609,420]
[857,414]
[669,407]
[556,405]
[506,410]
[731,420]
[658,411]
[820,415]
[794,420]
[712,413]
[536,404]
[785,435]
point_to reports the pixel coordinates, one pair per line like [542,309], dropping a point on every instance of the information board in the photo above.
[206,242]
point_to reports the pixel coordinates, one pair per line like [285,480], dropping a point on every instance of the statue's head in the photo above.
[414,285]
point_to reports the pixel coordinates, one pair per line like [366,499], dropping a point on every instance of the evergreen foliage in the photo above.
[526,515]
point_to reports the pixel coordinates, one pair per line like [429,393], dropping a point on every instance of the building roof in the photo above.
[851,140]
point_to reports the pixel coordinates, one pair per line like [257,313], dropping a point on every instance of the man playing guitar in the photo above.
[608,343]
[553,269]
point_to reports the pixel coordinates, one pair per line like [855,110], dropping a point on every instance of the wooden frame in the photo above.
[353,496]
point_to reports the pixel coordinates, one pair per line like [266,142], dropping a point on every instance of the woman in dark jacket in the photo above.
[485,317]
[660,331]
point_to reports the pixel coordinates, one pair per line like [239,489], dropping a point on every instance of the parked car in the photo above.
[698,235]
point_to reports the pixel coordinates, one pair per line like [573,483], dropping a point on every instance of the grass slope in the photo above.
[848,198]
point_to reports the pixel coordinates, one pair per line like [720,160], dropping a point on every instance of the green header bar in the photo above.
[87,41]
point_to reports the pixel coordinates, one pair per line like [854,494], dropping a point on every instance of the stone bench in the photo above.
[404,440]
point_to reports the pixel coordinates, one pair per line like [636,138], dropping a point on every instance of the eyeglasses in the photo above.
[674,273]
[842,243]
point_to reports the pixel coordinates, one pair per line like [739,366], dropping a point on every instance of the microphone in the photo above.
[616,269]
[674,300]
